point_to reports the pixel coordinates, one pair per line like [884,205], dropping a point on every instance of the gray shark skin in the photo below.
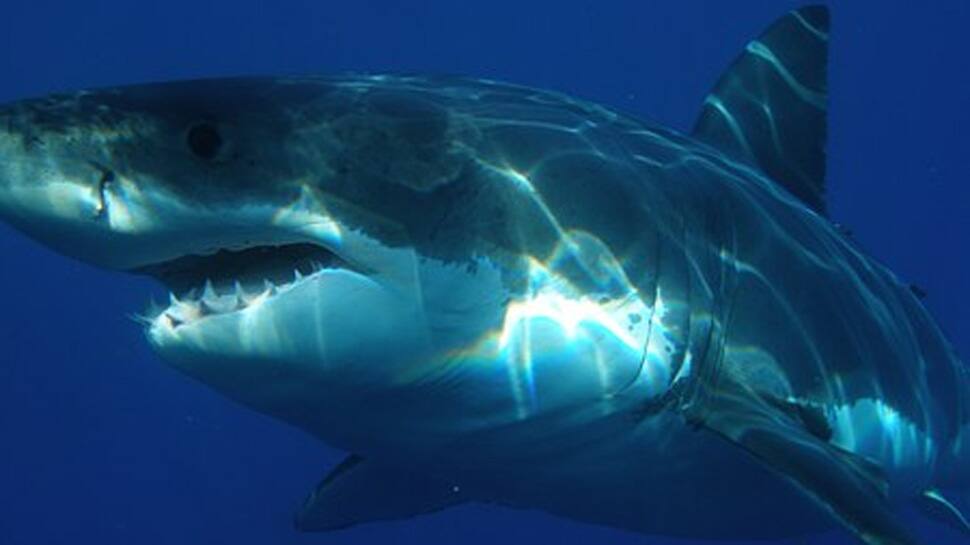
[492,293]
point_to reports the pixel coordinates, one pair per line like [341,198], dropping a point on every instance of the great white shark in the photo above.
[487,292]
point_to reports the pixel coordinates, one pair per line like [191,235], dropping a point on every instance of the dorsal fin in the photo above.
[769,108]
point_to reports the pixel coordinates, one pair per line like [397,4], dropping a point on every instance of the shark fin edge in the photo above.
[769,109]
[935,506]
[851,489]
[358,491]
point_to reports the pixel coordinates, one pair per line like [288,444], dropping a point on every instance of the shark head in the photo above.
[341,253]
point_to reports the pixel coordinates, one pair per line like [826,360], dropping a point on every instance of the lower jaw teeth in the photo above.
[191,306]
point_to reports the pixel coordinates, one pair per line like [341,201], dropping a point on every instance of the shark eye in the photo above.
[204,140]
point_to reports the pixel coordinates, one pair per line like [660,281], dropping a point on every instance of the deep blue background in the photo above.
[100,443]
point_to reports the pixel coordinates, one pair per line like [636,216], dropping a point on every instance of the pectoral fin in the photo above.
[359,491]
[852,489]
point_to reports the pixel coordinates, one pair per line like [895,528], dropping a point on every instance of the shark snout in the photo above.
[56,200]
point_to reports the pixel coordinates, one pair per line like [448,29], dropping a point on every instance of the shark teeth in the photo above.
[212,301]
[209,291]
[269,288]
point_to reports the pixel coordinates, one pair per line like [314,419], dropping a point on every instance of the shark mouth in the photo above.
[232,280]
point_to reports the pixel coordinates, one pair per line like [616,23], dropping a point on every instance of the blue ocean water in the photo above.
[101,443]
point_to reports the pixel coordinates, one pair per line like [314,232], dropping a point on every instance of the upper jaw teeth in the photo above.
[209,301]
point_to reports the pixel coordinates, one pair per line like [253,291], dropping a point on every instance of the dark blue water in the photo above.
[100,443]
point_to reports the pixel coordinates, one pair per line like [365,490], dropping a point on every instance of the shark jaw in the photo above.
[228,281]
[294,331]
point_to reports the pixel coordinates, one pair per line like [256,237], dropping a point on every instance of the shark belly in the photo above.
[650,476]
